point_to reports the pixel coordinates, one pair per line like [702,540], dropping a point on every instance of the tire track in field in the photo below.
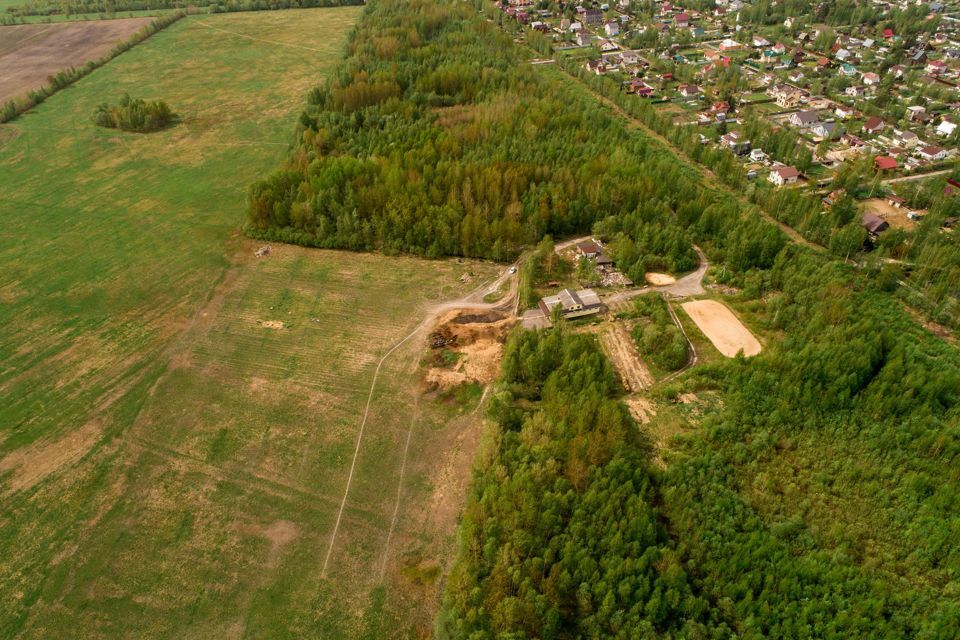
[248,37]
[466,302]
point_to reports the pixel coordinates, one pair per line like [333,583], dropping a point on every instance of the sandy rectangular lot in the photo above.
[30,53]
[896,218]
[724,329]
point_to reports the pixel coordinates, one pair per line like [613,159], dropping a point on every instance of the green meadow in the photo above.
[179,417]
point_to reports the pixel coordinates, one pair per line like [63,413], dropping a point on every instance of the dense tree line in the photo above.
[134,114]
[435,139]
[112,7]
[561,536]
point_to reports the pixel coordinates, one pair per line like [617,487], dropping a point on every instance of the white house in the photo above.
[946,128]
[906,138]
[757,155]
[782,174]
[933,153]
[611,28]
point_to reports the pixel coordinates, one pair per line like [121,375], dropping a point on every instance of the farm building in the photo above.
[874,224]
[573,304]
[588,249]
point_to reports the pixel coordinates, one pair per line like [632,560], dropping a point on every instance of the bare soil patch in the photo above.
[623,354]
[30,53]
[477,339]
[896,218]
[659,279]
[722,328]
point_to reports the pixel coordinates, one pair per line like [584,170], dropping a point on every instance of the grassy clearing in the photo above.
[168,462]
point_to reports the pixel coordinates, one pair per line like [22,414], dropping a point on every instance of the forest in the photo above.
[435,140]
[817,495]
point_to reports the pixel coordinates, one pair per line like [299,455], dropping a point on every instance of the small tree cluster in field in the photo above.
[134,114]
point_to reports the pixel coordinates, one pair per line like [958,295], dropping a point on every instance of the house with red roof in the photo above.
[885,163]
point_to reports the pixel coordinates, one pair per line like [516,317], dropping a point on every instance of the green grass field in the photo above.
[172,459]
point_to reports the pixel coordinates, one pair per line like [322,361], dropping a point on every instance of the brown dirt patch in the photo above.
[622,352]
[641,409]
[896,218]
[280,534]
[32,464]
[30,53]
[478,339]
[659,279]
[271,324]
[722,328]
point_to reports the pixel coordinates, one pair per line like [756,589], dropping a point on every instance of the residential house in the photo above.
[825,130]
[584,39]
[782,174]
[757,155]
[857,91]
[935,67]
[729,45]
[611,28]
[735,141]
[689,90]
[682,20]
[946,128]
[598,67]
[906,138]
[843,112]
[590,16]
[805,119]
[885,163]
[932,153]
[760,42]
[871,79]
[873,125]
[916,113]
[588,249]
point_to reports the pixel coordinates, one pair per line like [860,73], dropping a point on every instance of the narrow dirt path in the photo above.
[634,123]
[471,301]
[693,350]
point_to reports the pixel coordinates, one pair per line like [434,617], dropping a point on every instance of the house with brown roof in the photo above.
[874,224]
[873,125]
[932,153]
[782,174]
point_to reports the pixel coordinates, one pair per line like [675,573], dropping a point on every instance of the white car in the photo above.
[513,269]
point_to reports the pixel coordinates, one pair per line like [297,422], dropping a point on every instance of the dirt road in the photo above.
[634,123]
[689,285]
[622,352]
